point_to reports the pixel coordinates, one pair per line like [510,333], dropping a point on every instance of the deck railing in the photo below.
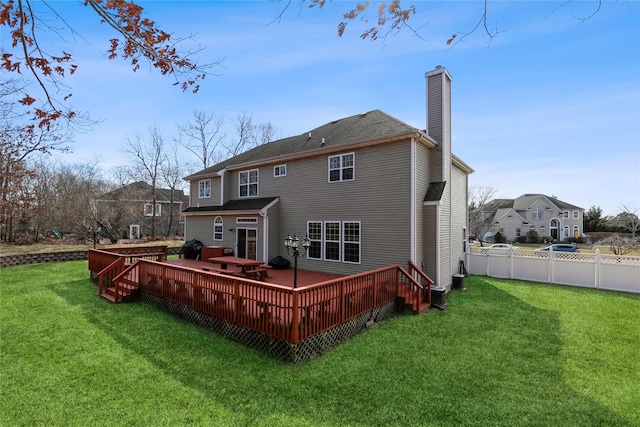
[107,263]
[277,311]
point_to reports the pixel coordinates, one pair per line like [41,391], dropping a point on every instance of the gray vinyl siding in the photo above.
[459,215]
[214,200]
[422,184]
[429,243]
[379,198]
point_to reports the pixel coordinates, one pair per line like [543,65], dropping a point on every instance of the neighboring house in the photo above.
[368,190]
[545,215]
[128,212]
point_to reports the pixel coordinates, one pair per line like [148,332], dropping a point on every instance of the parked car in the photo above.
[559,247]
[503,246]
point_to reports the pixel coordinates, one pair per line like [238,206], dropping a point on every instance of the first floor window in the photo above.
[565,232]
[332,241]
[351,242]
[148,209]
[204,189]
[542,231]
[314,232]
[576,231]
[335,241]
[218,226]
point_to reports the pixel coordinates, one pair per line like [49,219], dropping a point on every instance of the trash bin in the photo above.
[458,282]
[211,252]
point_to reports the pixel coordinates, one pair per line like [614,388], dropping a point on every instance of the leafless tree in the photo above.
[245,134]
[148,157]
[480,220]
[172,173]
[202,136]
[628,219]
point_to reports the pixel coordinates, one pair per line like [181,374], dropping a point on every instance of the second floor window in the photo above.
[537,213]
[148,209]
[342,167]
[576,215]
[280,170]
[204,189]
[565,214]
[248,182]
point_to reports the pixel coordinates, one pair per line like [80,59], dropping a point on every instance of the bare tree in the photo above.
[172,173]
[480,220]
[148,157]
[266,133]
[245,134]
[202,136]
[628,219]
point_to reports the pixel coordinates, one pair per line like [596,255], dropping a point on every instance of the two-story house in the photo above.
[128,212]
[368,191]
[546,215]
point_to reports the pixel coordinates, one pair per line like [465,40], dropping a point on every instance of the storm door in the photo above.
[247,239]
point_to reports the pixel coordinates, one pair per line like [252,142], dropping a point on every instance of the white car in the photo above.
[503,246]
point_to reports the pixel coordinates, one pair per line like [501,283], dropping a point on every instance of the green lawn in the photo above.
[505,353]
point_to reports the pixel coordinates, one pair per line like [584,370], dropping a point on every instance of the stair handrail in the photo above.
[426,279]
[416,289]
[117,264]
[117,279]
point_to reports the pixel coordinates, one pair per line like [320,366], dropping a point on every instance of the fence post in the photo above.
[596,269]
[550,275]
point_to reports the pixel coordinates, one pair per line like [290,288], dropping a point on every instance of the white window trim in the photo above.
[150,206]
[277,168]
[345,242]
[565,214]
[341,241]
[249,184]
[201,186]
[576,215]
[246,220]
[341,168]
[218,224]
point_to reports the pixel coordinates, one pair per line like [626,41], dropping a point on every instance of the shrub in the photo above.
[522,239]
[499,238]
[533,237]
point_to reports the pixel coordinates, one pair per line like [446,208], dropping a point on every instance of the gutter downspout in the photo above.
[221,175]
[413,203]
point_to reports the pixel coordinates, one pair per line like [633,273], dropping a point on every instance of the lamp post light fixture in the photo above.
[293,249]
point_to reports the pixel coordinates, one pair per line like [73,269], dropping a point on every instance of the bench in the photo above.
[256,273]
[218,270]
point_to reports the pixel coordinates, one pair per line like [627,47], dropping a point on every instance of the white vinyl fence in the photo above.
[611,272]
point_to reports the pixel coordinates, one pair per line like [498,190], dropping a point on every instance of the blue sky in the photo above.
[548,106]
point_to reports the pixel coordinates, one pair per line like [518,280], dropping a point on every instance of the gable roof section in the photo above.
[371,126]
[141,191]
[508,212]
[237,205]
[527,200]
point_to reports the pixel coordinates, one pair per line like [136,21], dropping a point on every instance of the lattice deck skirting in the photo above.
[279,349]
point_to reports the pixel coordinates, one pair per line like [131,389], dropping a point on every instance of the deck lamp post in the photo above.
[293,249]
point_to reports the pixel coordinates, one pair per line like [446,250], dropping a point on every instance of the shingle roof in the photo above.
[362,127]
[142,191]
[253,204]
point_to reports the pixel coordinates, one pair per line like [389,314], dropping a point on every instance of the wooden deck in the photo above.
[321,304]
[274,276]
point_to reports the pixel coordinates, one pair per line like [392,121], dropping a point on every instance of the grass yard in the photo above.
[505,353]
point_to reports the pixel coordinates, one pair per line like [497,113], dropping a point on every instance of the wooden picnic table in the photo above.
[250,268]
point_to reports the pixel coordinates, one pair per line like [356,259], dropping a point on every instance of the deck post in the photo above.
[294,318]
